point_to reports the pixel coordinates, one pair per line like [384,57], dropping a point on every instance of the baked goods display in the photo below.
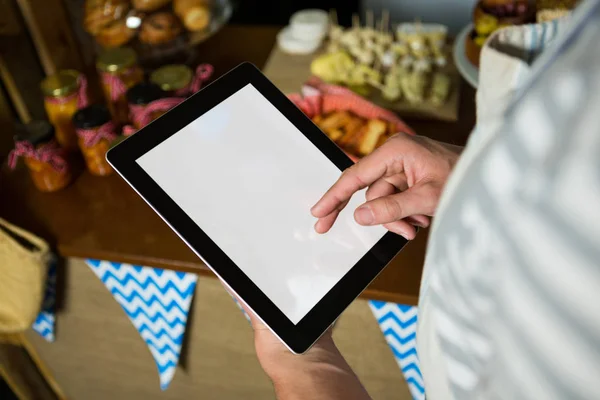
[409,65]
[114,23]
[491,15]
[356,135]
[160,28]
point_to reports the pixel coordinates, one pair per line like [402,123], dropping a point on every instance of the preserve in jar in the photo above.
[44,158]
[119,71]
[64,93]
[139,97]
[96,133]
[174,79]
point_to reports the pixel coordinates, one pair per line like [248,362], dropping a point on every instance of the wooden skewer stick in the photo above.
[333,18]
[375,84]
[385,20]
[378,66]
[370,19]
[355,21]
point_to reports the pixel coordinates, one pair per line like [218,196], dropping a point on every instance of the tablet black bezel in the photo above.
[123,158]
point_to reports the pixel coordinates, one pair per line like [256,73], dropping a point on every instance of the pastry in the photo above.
[372,131]
[115,34]
[422,65]
[392,92]
[195,14]
[400,48]
[440,88]
[413,87]
[149,5]
[354,134]
[160,28]
[335,120]
[100,13]
[334,67]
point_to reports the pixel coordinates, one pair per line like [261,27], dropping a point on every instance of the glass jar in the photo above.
[64,93]
[96,133]
[45,159]
[174,79]
[139,97]
[119,71]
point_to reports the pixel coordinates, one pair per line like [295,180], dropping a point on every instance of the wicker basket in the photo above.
[23,267]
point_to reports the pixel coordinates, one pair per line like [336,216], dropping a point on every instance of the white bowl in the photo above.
[309,24]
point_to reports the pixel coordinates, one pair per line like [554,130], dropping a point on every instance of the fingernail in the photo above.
[313,209]
[364,216]
[404,235]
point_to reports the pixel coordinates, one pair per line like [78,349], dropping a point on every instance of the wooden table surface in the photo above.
[103,218]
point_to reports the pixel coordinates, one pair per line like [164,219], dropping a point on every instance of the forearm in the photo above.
[330,378]
[322,373]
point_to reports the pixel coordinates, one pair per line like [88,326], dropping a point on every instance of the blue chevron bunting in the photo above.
[157,302]
[398,323]
[237,303]
[44,323]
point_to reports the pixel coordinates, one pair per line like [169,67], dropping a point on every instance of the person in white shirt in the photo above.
[510,298]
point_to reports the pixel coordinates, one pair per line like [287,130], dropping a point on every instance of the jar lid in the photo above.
[144,93]
[61,83]
[91,117]
[117,59]
[36,132]
[172,77]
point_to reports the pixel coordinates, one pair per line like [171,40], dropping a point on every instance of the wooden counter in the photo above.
[103,218]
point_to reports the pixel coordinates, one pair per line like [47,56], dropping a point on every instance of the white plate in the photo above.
[464,66]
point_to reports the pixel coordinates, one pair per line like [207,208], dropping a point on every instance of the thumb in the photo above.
[419,199]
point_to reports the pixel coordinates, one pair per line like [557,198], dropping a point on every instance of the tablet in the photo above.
[234,171]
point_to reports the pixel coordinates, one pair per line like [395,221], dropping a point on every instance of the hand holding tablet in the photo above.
[234,171]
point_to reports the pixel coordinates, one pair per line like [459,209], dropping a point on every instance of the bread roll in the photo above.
[161,27]
[195,14]
[149,5]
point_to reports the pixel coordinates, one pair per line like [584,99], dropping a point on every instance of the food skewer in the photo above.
[333,18]
[355,21]
[370,19]
[385,20]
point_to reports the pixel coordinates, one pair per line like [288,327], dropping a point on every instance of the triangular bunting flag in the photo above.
[44,323]
[157,302]
[398,323]
[237,303]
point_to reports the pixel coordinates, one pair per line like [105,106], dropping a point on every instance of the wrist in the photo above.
[279,363]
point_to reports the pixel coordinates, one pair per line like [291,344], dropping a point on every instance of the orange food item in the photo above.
[61,102]
[139,97]
[356,135]
[94,157]
[119,71]
[45,177]
[45,159]
[374,129]
[96,133]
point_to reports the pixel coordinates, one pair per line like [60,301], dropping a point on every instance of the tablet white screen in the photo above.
[248,177]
